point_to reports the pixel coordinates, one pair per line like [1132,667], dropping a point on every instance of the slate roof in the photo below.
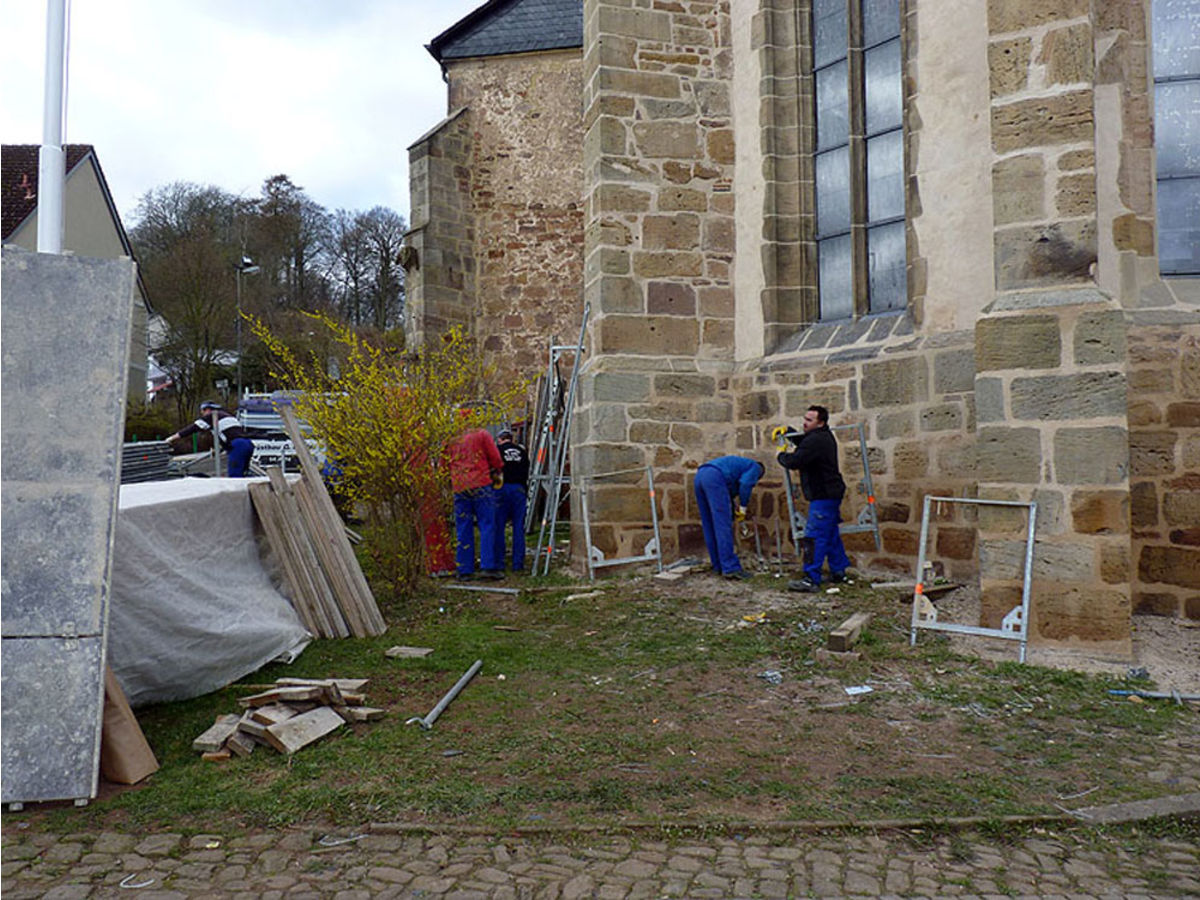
[511,26]
[19,181]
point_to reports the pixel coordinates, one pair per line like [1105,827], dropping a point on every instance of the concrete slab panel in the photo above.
[64,349]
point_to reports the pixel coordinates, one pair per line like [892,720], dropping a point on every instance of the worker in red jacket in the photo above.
[475,467]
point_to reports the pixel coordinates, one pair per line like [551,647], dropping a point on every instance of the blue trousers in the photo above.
[510,507]
[821,528]
[472,508]
[716,518]
[238,457]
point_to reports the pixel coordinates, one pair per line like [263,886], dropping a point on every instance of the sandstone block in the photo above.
[716,301]
[942,417]
[667,264]
[1019,189]
[1009,454]
[720,411]
[621,387]
[684,385]
[1182,508]
[595,458]
[901,541]
[1008,61]
[1067,54]
[1057,397]
[687,436]
[1143,504]
[635,23]
[620,295]
[989,400]
[998,520]
[667,139]
[888,511]
[1066,612]
[954,371]
[1100,338]
[1076,195]
[719,234]
[717,336]
[910,460]
[638,84]
[649,432]
[1091,455]
[720,145]
[758,406]
[1159,380]
[1131,232]
[1018,342]
[1017,15]
[1029,256]
[619,503]
[609,422]
[1147,603]
[1077,159]
[676,198]
[1053,119]
[1100,512]
[651,335]
[1179,566]
[1184,415]
[620,198]
[895,382]
[1152,453]
[678,232]
[1075,561]
[955,543]
[831,396]
[895,424]
[1116,564]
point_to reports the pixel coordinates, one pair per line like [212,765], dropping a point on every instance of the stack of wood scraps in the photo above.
[291,714]
[320,571]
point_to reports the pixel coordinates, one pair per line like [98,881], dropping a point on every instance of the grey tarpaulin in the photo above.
[192,606]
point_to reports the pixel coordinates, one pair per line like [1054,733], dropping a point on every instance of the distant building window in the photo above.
[1176,29]
[859,162]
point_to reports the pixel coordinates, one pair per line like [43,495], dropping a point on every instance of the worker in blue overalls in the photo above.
[723,487]
[230,433]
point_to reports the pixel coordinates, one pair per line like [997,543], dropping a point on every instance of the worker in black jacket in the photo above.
[230,433]
[816,457]
[512,500]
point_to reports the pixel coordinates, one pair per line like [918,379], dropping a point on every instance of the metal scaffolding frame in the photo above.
[552,448]
[595,556]
[1015,626]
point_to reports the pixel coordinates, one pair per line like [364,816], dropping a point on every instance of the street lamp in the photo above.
[245,267]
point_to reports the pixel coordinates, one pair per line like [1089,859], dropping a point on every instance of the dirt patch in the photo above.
[1166,650]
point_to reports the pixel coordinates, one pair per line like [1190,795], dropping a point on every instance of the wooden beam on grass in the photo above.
[846,635]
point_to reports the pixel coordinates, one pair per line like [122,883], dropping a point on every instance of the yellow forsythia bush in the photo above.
[385,419]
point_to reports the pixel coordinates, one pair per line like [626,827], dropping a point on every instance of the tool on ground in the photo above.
[483,589]
[1157,695]
[427,721]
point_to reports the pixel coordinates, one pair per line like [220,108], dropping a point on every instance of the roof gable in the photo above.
[19,181]
[512,26]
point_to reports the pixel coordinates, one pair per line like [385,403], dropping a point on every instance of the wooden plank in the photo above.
[344,684]
[240,744]
[269,715]
[212,739]
[326,605]
[334,530]
[125,754]
[846,635]
[296,580]
[296,694]
[333,560]
[300,731]
[359,713]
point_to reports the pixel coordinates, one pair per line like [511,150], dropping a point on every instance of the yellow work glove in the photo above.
[779,436]
[739,514]
[497,480]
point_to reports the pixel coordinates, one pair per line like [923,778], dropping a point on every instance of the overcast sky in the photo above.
[230,92]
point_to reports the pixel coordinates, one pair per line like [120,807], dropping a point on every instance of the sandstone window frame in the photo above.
[848,231]
[1175,68]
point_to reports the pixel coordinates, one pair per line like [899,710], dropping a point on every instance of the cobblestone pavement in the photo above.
[1066,863]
